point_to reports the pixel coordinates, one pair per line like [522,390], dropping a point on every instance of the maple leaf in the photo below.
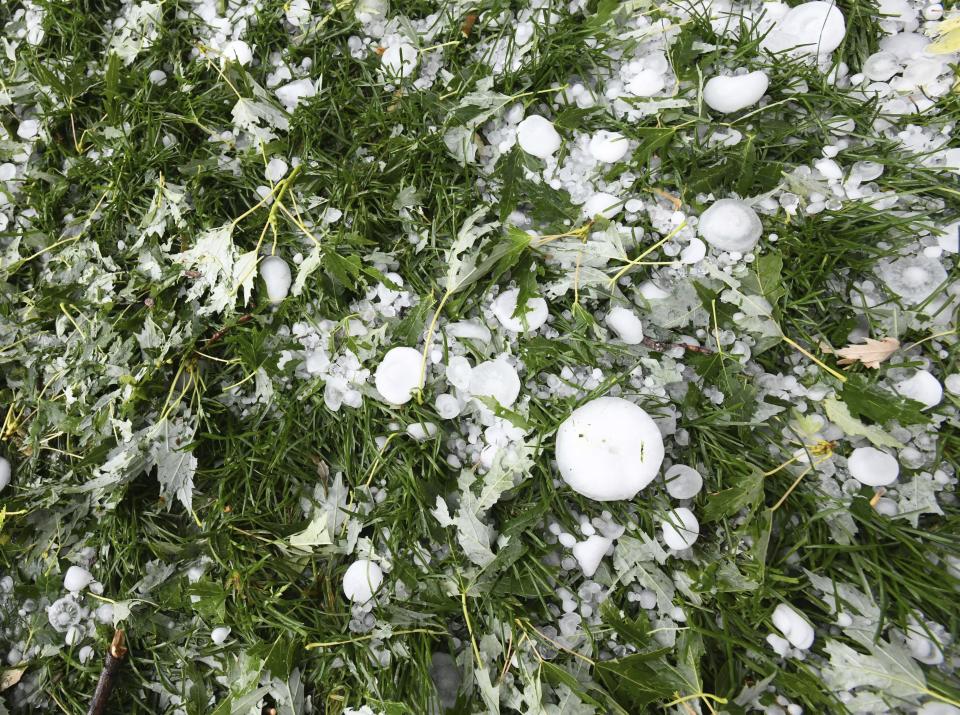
[871,353]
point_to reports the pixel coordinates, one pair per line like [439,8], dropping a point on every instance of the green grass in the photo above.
[254,470]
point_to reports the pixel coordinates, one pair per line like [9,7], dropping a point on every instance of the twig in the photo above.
[111,666]
[662,347]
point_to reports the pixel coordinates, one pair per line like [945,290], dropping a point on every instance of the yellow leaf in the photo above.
[871,353]
[11,677]
[948,39]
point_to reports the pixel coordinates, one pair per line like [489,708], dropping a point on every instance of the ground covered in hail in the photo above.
[550,357]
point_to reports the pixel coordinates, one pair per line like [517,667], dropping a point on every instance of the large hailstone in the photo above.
[625,324]
[602,203]
[683,482]
[400,60]
[913,278]
[730,225]
[811,28]
[795,627]
[923,387]
[5,472]
[731,94]
[590,553]
[870,466]
[76,579]
[496,379]
[399,375]
[276,275]
[362,580]
[536,136]
[608,147]
[680,529]
[609,449]
[505,306]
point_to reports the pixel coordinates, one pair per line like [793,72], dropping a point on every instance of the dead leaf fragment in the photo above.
[870,354]
[11,677]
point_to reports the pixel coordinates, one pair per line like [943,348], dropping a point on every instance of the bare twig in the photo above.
[111,666]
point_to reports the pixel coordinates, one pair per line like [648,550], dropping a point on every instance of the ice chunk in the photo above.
[730,225]
[505,306]
[276,274]
[683,482]
[399,375]
[590,553]
[794,626]
[680,529]
[731,94]
[922,387]
[625,324]
[536,136]
[362,579]
[870,466]
[608,147]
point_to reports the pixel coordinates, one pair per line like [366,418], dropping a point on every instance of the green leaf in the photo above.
[745,493]
[838,413]
[865,399]
[343,269]
[639,680]
[633,630]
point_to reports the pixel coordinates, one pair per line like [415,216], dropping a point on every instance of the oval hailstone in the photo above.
[730,225]
[913,278]
[608,147]
[683,482]
[625,324]
[505,306]
[872,467]
[795,627]
[76,579]
[811,28]
[922,387]
[5,472]
[536,136]
[607,205]
[238,51]
[609,449]
[680,529]
[219,634]
[590,553]
[497,379]
[362,580]
[398,375]
[400,60]
[276,274]
[733,93]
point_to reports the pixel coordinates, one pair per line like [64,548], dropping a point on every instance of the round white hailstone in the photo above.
[922,647]
[607,205]
[447,406]
[291,93]
[651,291]
[794,626]
[829,168]
[104,613]
[422,431]
[505,306]
[362,580]
[157,77]
[683,482]
[590,553]
[458,372]
[496,379]
[28,129]
[608,147]
[646,83]
[730,225]
[536,136]
[238,51]
[625,324]
[74,635]
[609,449]
[881,66]
[812,28]
[693,252]
[870,466]
[935,707]
[680,529]
[468,330]
[399,375]
[276,168]
[731,94]
[85,653]
[952,384]
[905,45]
[219,634]
[5,472]
[400,60]
[933,12]
[276,274]
[922,387]
[76,579]
[913,278]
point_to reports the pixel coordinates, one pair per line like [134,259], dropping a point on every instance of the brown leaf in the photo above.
[11,677]
[871,353]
